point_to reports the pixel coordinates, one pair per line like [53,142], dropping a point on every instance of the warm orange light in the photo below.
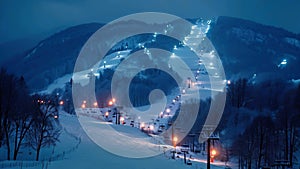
[113,100]
[122,119]
[175,139]
[106,114]
[61,102]
[110,103]
[151,127]
[95,104]
[56,117]
[83,106]
[213,152]
[84,102]
[142,125]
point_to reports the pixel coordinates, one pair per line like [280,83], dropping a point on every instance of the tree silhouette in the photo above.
[44,131]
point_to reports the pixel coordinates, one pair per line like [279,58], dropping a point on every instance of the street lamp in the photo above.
[95,104]
[112,101]
[161,114]
[117,110]
[213,152]
[212,155]
[175,139]
[151,127]
[173,55]
[142,126]
[122,119]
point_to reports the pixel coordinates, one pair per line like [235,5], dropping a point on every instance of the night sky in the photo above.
[22,19]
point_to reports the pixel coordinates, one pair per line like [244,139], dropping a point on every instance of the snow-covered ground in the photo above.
[58,83]
[87,154]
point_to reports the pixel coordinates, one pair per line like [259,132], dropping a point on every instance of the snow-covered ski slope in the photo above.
[90,156]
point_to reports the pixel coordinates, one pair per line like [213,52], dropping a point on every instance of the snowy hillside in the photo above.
[262,47]
[248,48]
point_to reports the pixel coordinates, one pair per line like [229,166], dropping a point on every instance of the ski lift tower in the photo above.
[208,134]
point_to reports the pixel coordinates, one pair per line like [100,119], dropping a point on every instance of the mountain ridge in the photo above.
[239,42]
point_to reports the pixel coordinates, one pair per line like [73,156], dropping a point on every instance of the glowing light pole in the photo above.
[112,103]
[174,141]
[95,104]
[209,153]
[106,114]
[212,155]
[122,120]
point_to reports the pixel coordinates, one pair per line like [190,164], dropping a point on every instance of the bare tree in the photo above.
[237,93]
[7,108]
[290,115]
[22,116]
[67,97]
[44,131]
[253,145]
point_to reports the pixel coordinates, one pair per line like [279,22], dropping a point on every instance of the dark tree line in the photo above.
[67,98]
[24,119]
[139,89]
[272,136]
[237,93]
